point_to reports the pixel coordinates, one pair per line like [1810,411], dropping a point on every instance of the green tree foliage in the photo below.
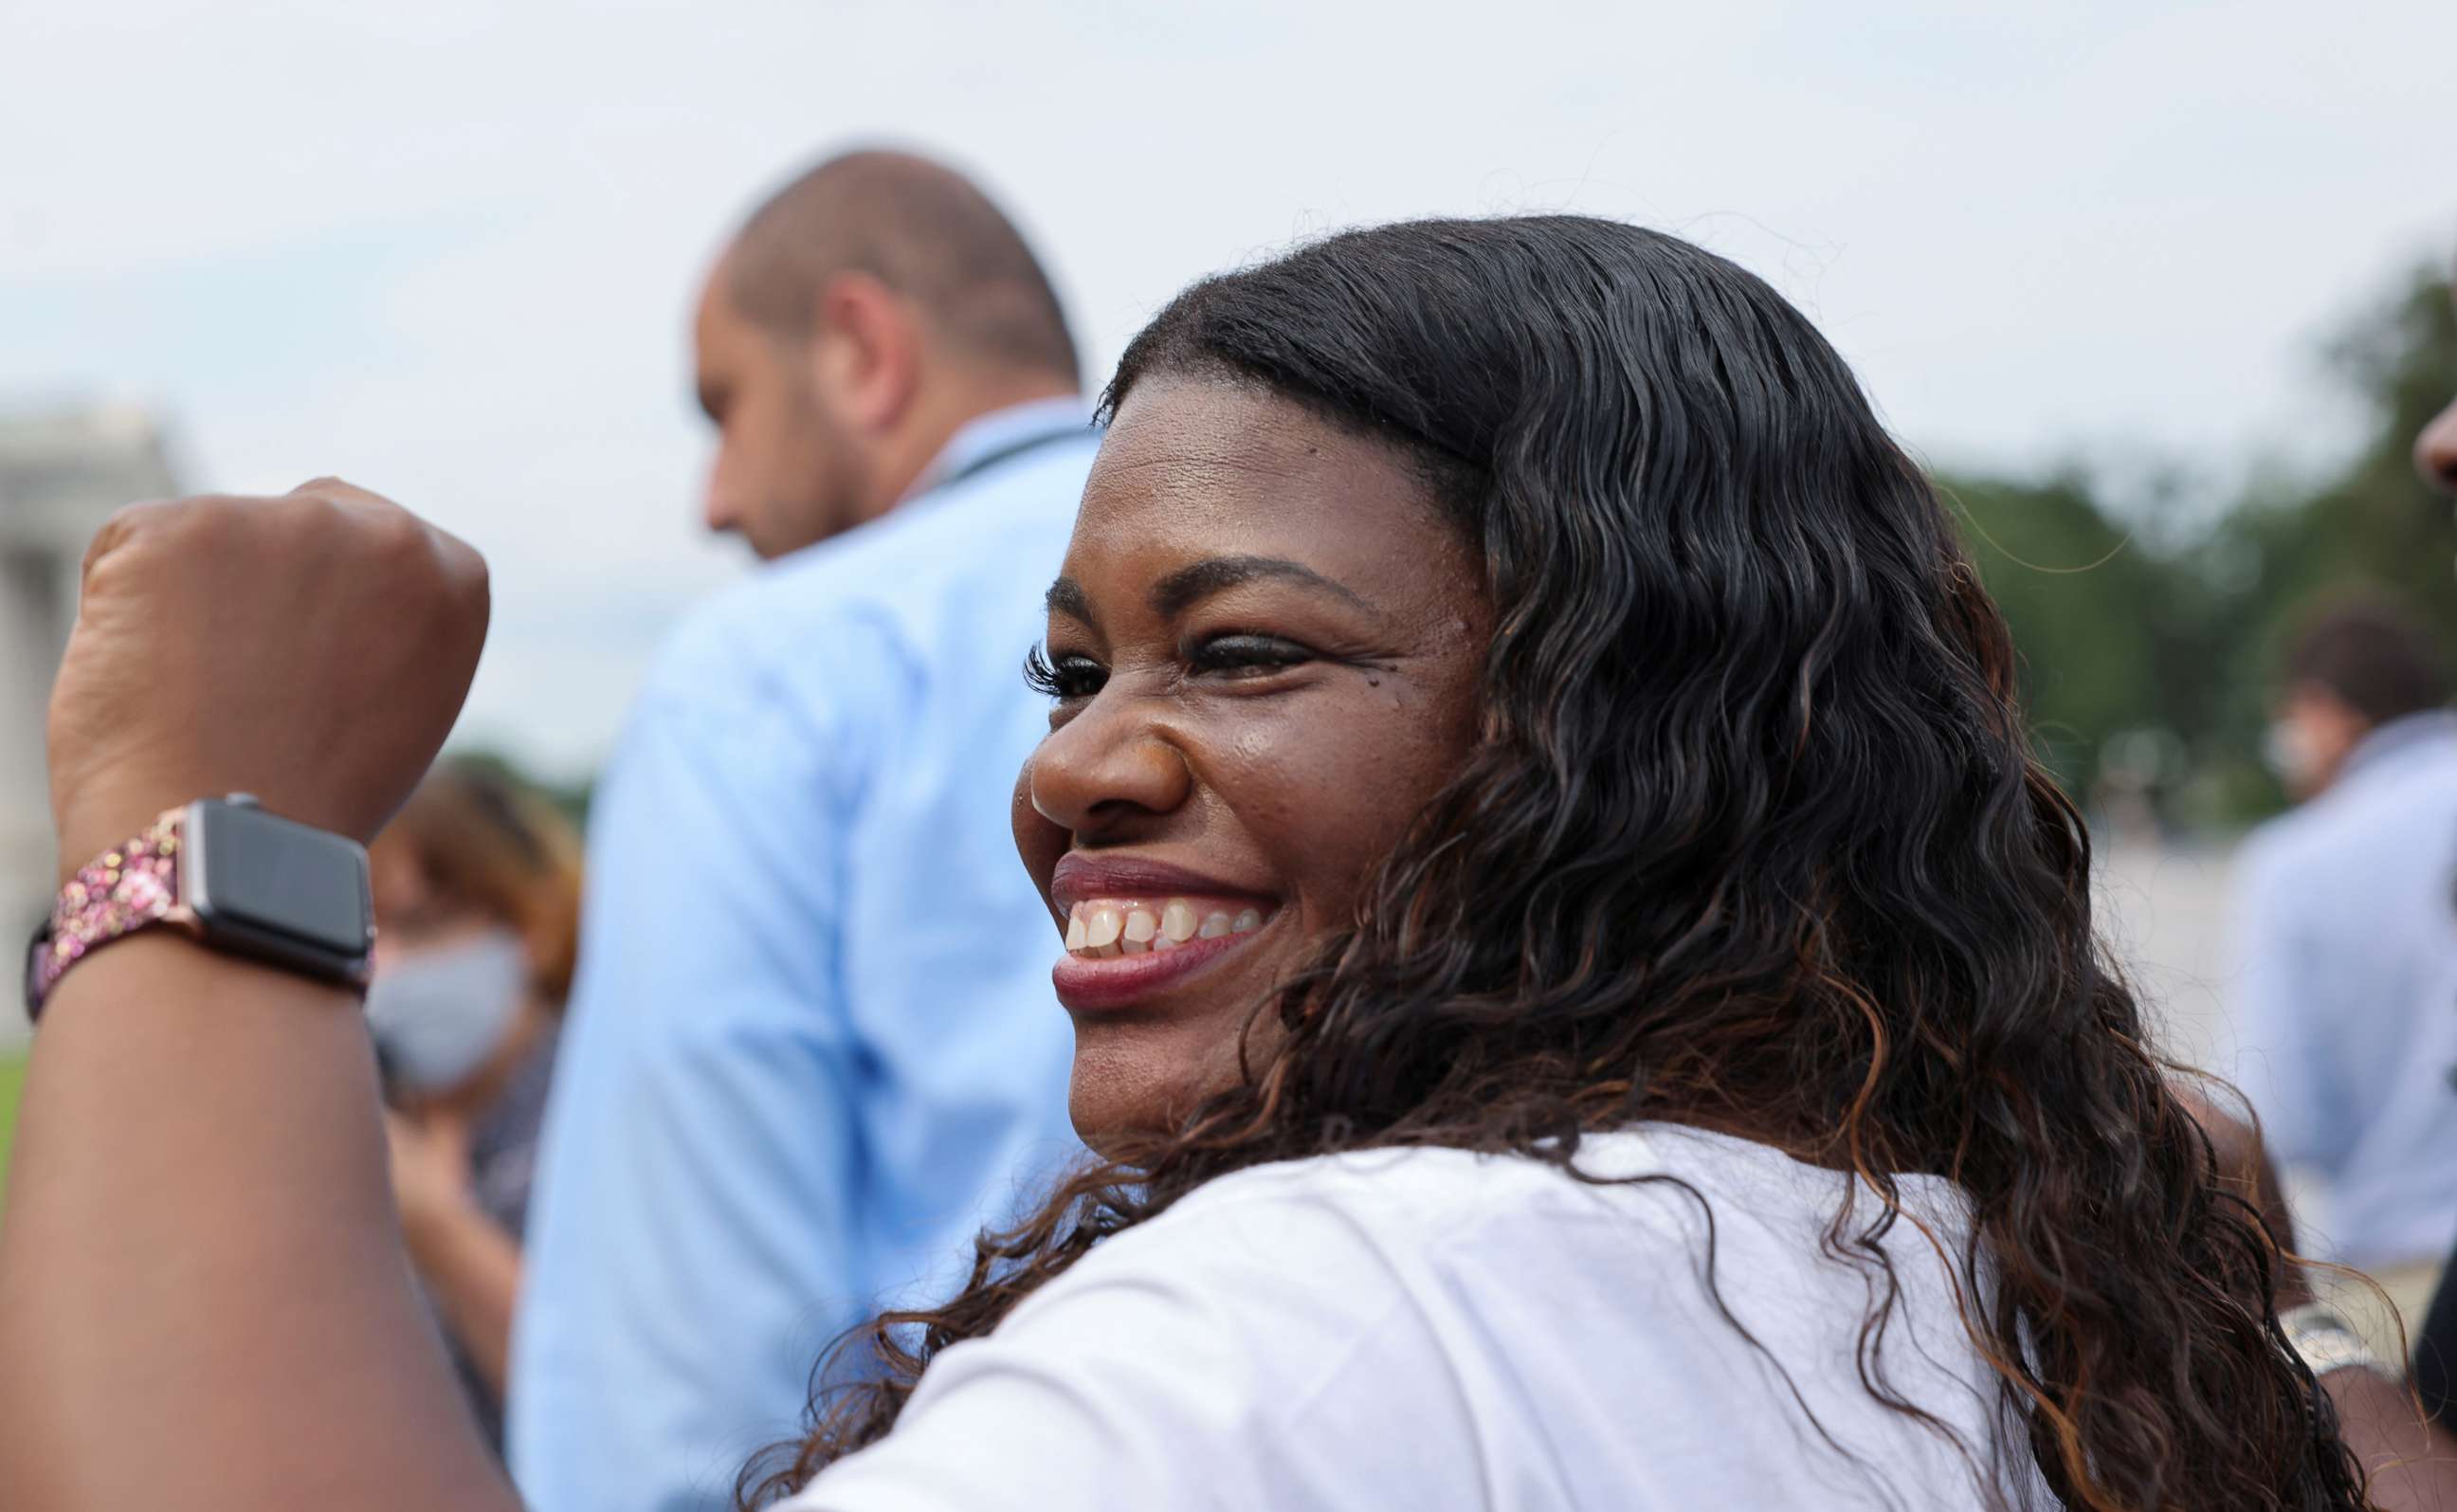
[2128,649]
[2082,597]
[2149,662]
[2376,522]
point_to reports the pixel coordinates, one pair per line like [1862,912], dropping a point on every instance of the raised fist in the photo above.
[313,649]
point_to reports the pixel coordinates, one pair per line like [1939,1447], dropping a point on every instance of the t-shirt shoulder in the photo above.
[1403,1209]
[1428,1327]
[1409,1186]
[1339,1222]
[1442,1185]
[1212,1356]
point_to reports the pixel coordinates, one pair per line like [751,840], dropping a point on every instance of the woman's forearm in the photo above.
[472,1269]
[204,1295]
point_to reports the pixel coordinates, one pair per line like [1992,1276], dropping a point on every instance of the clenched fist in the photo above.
[313,649]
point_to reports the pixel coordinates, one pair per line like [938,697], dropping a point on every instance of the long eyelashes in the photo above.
[1038,675]
[1070,677]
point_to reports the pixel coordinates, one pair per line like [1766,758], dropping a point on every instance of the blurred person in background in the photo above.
[477,897]
[2344,934]
[811,1049]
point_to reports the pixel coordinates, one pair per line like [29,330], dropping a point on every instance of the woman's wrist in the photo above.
[82,839]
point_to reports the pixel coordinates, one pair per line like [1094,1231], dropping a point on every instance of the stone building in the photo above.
[61,474]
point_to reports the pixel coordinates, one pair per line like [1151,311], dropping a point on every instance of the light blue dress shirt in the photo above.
[812,1047]
[2345,991]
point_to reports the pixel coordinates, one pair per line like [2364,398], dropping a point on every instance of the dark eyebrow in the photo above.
[1066,597]
[1188,585]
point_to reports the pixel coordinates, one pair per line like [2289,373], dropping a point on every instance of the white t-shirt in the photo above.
[1434,1330]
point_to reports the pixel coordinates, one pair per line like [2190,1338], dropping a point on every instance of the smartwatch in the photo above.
[230,876]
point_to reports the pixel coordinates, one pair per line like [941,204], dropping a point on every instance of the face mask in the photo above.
[438,1015]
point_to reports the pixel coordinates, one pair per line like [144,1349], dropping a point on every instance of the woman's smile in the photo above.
[1136,928]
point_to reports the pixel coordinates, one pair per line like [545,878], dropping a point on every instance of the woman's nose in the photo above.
[2435,451]
[1106,767]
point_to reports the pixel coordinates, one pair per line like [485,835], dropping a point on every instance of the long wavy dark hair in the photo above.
[1753,838]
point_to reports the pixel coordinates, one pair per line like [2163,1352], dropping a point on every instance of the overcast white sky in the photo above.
[446,249]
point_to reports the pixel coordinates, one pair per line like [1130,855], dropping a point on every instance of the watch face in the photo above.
[260,872]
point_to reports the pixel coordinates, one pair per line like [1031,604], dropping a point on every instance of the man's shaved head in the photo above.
[923,230]
[866,315]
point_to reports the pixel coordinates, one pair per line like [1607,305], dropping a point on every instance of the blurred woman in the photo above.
[476,893]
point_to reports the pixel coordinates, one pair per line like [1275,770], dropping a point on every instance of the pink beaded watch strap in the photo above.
[110,897]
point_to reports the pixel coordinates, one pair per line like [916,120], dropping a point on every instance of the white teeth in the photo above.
[1107,930]
[1101,931]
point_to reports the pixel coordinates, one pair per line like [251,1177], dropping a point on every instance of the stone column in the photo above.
[61,475]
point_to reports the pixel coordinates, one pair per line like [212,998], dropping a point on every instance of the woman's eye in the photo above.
[1245,655]
[1067,676]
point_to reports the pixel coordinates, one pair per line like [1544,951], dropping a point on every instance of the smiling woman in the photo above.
[1575,725]
[1582,997]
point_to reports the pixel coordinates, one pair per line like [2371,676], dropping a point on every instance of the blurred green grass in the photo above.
[13,1075]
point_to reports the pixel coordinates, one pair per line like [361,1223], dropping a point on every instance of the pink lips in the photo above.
[1080,876]
[1085,984]
[1088,983]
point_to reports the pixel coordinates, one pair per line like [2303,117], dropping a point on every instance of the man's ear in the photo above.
[866,352]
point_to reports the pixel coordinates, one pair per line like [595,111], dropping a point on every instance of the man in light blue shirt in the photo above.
[812,1044]
[2346,931]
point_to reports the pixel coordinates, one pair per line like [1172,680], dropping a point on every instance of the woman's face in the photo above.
[1267,641]
[451,984]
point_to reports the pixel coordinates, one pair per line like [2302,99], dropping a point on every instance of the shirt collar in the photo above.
[999,429]
[2404,733]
